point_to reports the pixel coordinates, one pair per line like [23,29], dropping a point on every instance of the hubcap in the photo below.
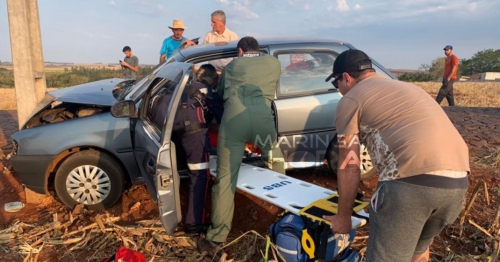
[365,159]
[88,184]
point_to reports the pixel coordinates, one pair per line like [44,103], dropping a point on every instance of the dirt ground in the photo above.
[480,128]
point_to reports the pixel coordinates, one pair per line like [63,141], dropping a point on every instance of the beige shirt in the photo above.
[406,132]
[214,37]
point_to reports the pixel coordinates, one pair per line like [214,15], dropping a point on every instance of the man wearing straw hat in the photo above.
[173,42]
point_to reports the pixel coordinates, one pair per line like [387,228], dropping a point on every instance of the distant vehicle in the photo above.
[85,142]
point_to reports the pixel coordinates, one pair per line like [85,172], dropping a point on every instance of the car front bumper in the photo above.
[31,170]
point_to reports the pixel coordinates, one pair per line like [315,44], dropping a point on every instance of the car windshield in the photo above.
[134,84]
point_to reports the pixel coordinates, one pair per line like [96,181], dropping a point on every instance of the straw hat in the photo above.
[177,24]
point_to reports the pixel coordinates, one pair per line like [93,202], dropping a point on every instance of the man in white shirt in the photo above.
[219,33]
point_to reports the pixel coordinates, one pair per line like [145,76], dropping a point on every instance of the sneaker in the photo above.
[214,249]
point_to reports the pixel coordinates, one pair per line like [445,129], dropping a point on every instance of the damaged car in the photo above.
[86,143]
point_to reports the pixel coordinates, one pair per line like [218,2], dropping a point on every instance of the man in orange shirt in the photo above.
[449,76]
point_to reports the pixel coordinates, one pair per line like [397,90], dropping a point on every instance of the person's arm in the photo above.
[348,177]
[132,68]
[162,58]
[188,43]
[163,51]
[454,69]
[135,64]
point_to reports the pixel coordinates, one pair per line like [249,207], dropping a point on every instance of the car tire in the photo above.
[92,178]
[332,157]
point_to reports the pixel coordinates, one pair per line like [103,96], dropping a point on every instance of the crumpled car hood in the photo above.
[98,93]
[94,93]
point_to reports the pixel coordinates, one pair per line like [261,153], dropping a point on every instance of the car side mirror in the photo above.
[124,109]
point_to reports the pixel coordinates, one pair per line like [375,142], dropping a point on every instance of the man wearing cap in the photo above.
[421,159]
[449,76]
[173,42]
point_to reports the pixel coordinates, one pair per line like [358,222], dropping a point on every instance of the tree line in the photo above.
[487,60]
[73,76]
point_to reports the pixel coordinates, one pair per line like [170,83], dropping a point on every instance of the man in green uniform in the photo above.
[247,86]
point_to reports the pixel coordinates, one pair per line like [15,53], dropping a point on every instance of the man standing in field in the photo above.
[421,159]
[449,76]
[174,41]
[130,64]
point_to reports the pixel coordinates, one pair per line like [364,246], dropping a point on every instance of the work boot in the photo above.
[213,249]
[197,228]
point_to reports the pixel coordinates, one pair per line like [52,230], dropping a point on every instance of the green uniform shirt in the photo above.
[249,79]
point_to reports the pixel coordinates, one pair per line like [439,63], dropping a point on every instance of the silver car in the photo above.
[87,142]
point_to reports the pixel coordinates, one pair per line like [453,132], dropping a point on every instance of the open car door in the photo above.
[154,151]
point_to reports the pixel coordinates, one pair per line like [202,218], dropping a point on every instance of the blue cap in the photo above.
[448,47]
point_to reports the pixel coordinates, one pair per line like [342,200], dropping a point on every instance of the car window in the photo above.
[304,71]
[157,101]
[137,89]
[380,71]
[198,62]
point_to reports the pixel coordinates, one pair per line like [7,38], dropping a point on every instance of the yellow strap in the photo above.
[328,205]
[308,244]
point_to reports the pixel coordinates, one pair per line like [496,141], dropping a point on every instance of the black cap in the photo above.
[350,61]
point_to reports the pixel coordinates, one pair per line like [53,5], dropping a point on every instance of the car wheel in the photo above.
[91,178]
[332,157]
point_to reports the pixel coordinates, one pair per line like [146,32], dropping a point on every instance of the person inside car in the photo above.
[299,62]
[190,131]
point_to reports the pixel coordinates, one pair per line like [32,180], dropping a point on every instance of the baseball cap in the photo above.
[448,47]
[350,61]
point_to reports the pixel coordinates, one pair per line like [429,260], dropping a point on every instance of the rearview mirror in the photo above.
[124,109]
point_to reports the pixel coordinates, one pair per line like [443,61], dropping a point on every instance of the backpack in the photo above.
[300,239]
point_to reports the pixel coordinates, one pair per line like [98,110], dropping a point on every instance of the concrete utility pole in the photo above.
[27,59]
[27,55]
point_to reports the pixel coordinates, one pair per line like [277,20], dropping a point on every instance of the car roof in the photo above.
[211,47]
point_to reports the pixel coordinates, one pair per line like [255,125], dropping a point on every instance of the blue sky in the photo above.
[400,34]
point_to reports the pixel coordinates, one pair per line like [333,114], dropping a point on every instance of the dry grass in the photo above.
[8,98]
[61,68]
[468,94]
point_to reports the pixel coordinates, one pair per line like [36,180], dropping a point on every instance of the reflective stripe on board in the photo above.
[198,166]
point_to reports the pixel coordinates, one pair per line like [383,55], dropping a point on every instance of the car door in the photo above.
[154,151]
[305,104]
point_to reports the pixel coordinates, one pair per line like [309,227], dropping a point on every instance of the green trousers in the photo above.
[240,124]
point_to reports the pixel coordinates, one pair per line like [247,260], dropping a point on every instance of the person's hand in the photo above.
[188,43]
[448,79]
[340,224]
